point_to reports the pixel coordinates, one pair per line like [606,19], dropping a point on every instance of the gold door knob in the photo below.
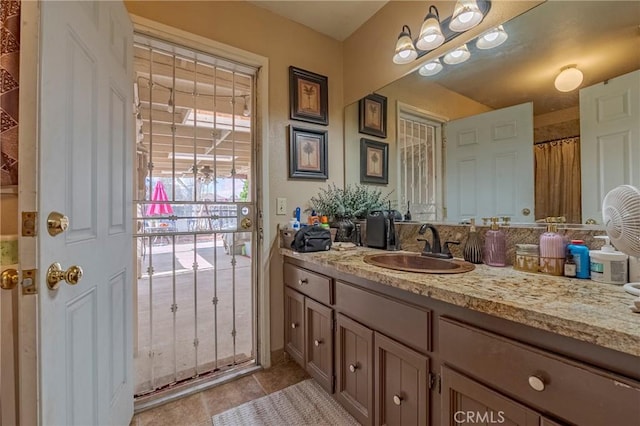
[591,221]
[57,223]
[245,223]
[526,212]
[55,274]
[10,279]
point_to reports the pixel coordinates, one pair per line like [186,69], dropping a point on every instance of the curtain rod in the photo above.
[556,140]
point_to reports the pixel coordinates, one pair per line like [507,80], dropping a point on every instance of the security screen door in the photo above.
[195,215]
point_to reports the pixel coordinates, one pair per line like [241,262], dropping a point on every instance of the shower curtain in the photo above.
[557,174]
[9,74]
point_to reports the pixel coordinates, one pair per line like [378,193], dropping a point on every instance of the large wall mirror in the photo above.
[601,38]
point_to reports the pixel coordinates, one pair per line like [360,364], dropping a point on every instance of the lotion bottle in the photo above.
[552,250]
[495,245]
[472,251]
[608,265]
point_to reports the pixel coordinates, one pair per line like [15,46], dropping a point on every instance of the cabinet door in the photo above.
[319,343]
[354,368]
[465,401]
[294,325]
[400,384]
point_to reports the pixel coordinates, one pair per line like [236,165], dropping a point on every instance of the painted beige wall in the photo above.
[371,46]
[284,43]
[413,90]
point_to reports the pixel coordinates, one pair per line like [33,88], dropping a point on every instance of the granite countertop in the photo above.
[582,309]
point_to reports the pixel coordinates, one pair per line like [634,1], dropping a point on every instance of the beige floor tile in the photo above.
[186,411]
[280,376]
[231,395]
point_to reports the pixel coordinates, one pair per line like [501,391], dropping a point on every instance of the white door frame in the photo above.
[183,38]
[28,146]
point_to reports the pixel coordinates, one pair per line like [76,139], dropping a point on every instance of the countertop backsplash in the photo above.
[408,233]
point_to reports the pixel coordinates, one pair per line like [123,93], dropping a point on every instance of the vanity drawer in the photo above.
[574,392]
[400,321]
[314,285]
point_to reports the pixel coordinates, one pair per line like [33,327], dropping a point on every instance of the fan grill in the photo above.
[621,217]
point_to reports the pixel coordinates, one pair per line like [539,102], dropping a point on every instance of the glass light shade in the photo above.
[405,50]
[457,56]
[569,79]
[430,33]
[430,68]
[492,38]
[466,15]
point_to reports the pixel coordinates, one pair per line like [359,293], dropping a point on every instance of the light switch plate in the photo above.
[281,206]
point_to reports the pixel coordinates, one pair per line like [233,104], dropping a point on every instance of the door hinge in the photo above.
[29,221]
[435,382]
[29,281]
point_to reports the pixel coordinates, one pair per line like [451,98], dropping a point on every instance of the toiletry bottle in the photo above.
[580,253]
[472,251]
[552,250]
[495,245]
[569,266]
[608,265]
[407,215]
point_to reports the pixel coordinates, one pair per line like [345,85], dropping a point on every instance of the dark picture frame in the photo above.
[372,116]
[374,161]
[307,153]
[308,96]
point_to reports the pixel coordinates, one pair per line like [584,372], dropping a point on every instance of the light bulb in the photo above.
[493,38]
[457,56]
[430,68]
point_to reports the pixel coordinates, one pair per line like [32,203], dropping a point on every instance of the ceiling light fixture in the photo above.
[430,34]
[569,79]
[430,68]
[434,33]
[405,50]
[466,15]
[492,38]
[457,56]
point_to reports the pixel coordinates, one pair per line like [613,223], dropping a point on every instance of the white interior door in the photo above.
[609,139]
[85,330]
[489,165]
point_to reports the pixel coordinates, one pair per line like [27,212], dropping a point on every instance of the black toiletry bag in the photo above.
[311,238]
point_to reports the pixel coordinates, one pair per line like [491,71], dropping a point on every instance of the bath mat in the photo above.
[304,403]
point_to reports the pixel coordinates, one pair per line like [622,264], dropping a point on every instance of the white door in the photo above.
[85,330]
[489,165]
[609,140]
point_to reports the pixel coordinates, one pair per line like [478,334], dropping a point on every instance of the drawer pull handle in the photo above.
[303,281]
[317,342]
[294,325]
[353,367]
[397,400]
[536,383]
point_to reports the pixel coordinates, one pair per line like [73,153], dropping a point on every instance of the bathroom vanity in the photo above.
[490,346]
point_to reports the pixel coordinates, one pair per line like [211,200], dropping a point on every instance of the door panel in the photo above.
[85,345]
[489,164]
[319,343]
[609,140]
[294,325]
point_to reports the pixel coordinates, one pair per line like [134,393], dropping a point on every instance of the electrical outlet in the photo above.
[281,206]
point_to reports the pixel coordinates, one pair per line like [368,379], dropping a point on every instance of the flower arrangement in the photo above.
[355,201]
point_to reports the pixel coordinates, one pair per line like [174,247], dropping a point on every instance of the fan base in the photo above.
[632,288]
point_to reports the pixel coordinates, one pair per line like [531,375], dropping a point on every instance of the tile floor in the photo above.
[198,409]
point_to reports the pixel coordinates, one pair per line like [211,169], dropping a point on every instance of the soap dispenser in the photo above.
[495,245]
[608,265]
[472,251]
[552,249]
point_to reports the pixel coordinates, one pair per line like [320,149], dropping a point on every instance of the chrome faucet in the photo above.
[436,250]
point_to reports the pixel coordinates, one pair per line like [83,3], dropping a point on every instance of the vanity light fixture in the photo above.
[405,50]
[466,15]
[430,33]
[569,79]
[430,68]
[492,38]
[457,56]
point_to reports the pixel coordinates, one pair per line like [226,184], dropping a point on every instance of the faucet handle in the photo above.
[445,249]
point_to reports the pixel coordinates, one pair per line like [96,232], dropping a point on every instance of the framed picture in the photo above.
[374,161]
[372,117]
[308,96]
[307,153]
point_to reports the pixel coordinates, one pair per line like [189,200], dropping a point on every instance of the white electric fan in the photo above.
[621,217]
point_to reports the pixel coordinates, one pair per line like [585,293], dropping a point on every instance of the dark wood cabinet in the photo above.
[294,325]
[401,387]
[319,342]
[354,368]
